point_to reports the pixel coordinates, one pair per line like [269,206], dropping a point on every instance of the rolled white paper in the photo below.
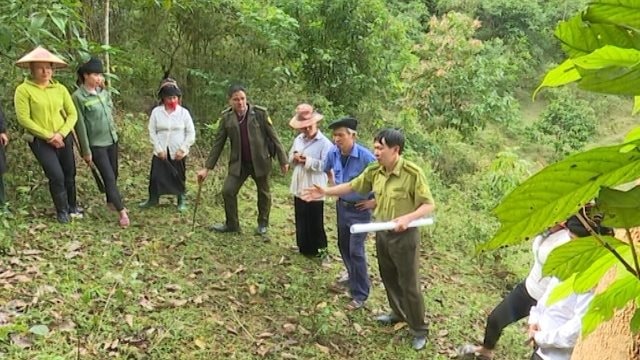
[389,225]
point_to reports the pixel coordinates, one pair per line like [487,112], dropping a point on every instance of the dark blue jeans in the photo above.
[352,248]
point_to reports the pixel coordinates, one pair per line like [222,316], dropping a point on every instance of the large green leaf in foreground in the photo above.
[620,12]
[559,190]
[626,288]
[580,38]
[621,208]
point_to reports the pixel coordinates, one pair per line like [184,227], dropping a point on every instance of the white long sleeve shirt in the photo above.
[559,323]
[174,131]
[312,172]
[535,283]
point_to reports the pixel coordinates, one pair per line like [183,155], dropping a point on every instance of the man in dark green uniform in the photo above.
[402,195]
[253,142]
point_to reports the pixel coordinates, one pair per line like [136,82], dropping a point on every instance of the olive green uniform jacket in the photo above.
[259,128]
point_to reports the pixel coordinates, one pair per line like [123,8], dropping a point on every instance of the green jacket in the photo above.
[40,109]
[259,125]
[95,126]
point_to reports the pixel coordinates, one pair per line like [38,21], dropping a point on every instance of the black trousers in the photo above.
[535,356]
[106,160]
[515,306]
[59,166]
[310,234]
[3,194]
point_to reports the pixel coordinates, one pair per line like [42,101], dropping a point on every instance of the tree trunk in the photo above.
[611,340]
[107,62]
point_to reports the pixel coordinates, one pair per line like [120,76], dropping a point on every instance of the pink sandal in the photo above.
[124,221]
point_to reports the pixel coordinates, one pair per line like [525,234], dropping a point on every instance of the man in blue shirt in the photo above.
[348,159]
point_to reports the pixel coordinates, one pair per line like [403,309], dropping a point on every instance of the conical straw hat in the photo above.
[41,54]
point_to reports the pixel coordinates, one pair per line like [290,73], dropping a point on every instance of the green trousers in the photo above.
[230,189]
[398,260]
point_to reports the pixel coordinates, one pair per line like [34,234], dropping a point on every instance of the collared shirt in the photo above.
[560,323]
[95,126]
[398,192]
[535,283]
[357,160]
[174,131]
[312,172]
[40,109]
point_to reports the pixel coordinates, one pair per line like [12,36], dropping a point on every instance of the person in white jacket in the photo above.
[555,328]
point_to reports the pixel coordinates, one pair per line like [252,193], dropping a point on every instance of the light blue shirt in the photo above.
[359,158]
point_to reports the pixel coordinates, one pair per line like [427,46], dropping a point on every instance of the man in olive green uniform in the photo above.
[253,142]
[402,195]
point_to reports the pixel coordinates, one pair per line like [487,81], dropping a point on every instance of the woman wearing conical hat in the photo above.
[44,108]
[96,131]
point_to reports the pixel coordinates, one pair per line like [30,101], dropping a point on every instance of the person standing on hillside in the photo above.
[96,131]
[4,141]
[347,159]
[308,156]
[254,142]
[44,108]
[172,134]
[402,195]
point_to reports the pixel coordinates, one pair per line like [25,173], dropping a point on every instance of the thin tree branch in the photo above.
[633,251]
[607,246]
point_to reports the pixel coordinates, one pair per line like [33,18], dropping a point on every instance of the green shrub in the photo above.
[567,123]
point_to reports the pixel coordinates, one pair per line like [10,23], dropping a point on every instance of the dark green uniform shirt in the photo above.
[398,192]
[95,126]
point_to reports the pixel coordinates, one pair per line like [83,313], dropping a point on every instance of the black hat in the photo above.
[346,121]
[93,66]
[169,89]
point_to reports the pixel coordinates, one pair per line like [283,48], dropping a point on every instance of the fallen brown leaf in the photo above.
[200,343]
[21,341]
[265,335]
[322,348]
[129,320]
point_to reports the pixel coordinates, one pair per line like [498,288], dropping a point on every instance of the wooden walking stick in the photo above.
[195,206]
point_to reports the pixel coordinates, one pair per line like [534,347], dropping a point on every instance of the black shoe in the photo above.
[223,228]
[261,230]
[63,217]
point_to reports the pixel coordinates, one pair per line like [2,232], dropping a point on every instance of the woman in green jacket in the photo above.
[45,110]
[96,131]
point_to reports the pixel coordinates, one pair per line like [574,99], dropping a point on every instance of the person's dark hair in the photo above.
[234,89]
[391,138]
[593,219]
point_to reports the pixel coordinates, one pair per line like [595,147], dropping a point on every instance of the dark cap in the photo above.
[93,66]
[346,121]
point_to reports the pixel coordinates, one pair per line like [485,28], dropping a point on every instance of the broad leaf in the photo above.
[619,12]
[589,278]
[608,56]
[562,74]
[617,295]
[613,80]
[636,104]
[578,255]
[41,330]
[634,134]
[635,321]
[559,190]
[581,38]
[561,290]
[621,208]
